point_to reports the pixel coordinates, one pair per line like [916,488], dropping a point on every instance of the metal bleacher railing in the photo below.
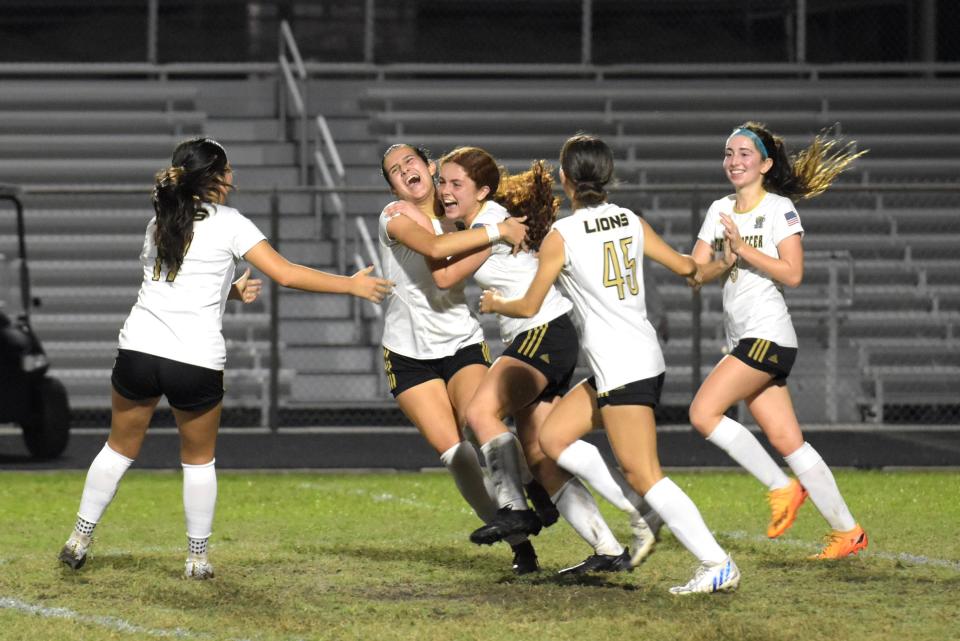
[827,302]
[885,379]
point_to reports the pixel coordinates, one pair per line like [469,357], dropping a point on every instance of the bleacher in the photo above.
[903,244]
[83,248]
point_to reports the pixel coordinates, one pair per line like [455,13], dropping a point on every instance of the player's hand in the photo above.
[363,285]
[404,208]
[696,279]
[513,231]
[731,235]
[488,301]
[247,289]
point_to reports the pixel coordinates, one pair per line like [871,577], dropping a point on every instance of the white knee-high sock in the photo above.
[585,461]
[526,476]
[503,456]
[199,498]
[744,448]
[684,520]
[463,464]
[577,506]
[103,477]
[816,478]
[654,522]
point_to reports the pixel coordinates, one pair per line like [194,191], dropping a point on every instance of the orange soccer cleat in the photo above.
[784,505]
[843,544]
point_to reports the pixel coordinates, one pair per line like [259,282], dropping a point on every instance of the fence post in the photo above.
[152,22]
[586,32]
[274,317]
[369,31]
[801,32]
[830,379]
[695,355]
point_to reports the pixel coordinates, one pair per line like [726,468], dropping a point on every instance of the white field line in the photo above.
[905,557]
[111,623]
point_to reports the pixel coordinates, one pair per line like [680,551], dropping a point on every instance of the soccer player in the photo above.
[755,235]
[434,355]
[536,367]
[597,253]
[171,344]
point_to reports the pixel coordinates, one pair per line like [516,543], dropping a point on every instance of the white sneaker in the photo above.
[197,567]
[643,540]
[74,552]
[712,577]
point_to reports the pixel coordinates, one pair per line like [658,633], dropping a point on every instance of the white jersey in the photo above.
[753,305]
[511,275]
[422,320]
[179,315]
[603,275]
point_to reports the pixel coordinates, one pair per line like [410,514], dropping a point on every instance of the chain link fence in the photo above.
[878,315]
[604,32]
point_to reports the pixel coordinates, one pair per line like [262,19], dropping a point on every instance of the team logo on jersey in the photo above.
[758,224]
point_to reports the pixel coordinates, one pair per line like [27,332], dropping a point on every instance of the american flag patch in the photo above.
[792,218]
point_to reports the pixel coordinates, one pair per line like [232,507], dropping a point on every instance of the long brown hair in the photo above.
[194,178]
[587,162]
[530,194]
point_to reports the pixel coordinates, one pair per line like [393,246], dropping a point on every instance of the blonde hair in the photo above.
[811,171]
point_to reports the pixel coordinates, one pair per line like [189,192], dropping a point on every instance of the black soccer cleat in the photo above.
[601,563]
[507,521]
[542,504]
[524,559]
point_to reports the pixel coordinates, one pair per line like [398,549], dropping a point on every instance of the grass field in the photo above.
[386,556]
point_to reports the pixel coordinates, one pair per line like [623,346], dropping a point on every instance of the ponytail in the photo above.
[530,194]
[808,173]
[587,163]
[181,193]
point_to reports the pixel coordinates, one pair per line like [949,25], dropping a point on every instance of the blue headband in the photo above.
[743,131]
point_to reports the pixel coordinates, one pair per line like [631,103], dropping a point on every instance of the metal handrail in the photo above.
[812,72]
[297,91]
[324,135]
[324,131]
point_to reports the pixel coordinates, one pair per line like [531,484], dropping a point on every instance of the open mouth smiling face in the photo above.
[458,192]
[410,177]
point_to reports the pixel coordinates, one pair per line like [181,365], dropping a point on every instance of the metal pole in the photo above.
[274,412]
[801,31]
[830,397]
[586,32]
[304,136]
[153,10]
[928,26]
[696,306]
[369,33]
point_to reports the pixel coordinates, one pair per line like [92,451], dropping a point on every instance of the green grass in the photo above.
[386,556]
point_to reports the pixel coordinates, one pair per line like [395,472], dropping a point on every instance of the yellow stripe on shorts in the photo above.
[759,349]
[532,341]
[388,368]
[486,351]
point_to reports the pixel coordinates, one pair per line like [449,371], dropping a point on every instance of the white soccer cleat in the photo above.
[712,577]
[643,540]
[74,552]
[198,568]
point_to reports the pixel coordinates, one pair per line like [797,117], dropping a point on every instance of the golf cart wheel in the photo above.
[47,431]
